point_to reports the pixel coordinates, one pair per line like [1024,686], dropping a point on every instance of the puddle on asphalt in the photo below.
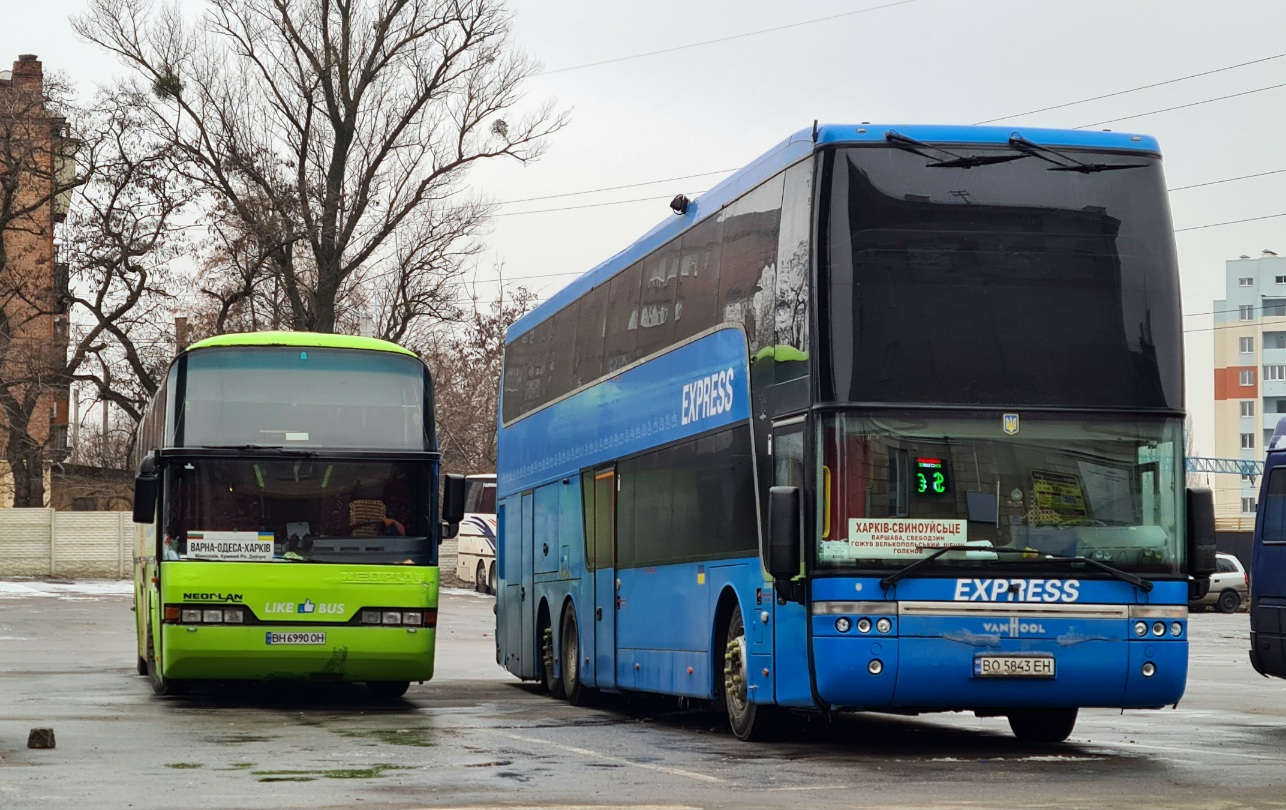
[373,772]
[183,765]
[418,737]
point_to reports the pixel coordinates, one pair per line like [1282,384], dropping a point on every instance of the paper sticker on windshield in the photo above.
[238,546]
[892,538]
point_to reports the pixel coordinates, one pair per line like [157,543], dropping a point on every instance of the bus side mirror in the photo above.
[1201,540]
[784,533]
[452,504]
[146,484]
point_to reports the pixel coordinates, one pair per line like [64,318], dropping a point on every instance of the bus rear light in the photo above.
[204,615]
[398,618]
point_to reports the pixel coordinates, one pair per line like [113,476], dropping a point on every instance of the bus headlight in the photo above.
[1149,669]
[1176,629]
[843,624]
[1140,629]
[875,667]
[884,625]
[190,615]
[863,625]
[1158,629]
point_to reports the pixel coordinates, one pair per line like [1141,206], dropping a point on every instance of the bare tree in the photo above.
[466,362]
[334,135]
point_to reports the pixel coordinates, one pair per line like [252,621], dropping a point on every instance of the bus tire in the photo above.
[1229,601]
[578,694]
[1042,725]
[480,578]
[749,721]
[552,682]
[387,690]
[142,665]
[491,579]
[162,685]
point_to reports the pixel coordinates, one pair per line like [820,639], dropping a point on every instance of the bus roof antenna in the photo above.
[814,130]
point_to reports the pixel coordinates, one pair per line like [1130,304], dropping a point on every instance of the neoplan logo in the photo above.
[211,597]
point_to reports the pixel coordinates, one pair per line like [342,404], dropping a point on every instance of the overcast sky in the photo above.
[667,96]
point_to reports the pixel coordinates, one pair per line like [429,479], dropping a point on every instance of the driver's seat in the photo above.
[369,514]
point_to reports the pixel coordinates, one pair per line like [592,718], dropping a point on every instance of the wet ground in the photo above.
[474,737]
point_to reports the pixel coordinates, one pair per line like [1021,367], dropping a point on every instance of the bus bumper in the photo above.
[297,652]
[941,674]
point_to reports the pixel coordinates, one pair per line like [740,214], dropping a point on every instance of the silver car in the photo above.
[1229,586]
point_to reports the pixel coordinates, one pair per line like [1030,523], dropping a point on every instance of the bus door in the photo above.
[520,634]
[600,512]
[790,638]
[1268,575]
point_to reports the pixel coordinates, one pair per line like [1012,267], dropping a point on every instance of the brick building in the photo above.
[36,165]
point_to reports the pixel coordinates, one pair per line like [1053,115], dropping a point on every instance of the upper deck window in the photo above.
[278,396]
[1012,283]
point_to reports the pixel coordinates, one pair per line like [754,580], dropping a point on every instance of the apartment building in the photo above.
[1250,368]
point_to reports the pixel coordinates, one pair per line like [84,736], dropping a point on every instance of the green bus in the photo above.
[287,493]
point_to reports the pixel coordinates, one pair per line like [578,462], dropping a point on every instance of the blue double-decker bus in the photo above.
[891,420]
[1268,564]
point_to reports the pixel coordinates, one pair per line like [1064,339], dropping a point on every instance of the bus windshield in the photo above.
[281,396]
[298,509]
[897,486]
[1006,284]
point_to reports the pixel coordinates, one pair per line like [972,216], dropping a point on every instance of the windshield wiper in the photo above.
[275,448]
[1125,576]
[1067,163]
[957,161]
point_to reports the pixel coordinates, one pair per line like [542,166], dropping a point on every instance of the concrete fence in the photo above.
[48,543]
[89,545]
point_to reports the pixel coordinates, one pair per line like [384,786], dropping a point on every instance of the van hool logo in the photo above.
[211,597]
[1013,627]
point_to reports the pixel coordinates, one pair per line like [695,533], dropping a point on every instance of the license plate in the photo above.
[295,638]
[1013,666]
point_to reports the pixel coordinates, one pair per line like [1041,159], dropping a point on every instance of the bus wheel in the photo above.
[749,721]
[578,694]
[1229,602]
[387,690]
[491,579]
[162,685]
[551,681]
[1043,725]
[142,665]
[480,578]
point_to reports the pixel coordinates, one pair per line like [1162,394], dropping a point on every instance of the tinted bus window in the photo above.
[697,306]
[621,331]
[1273,521]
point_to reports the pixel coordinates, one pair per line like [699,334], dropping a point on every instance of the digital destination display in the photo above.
[931,477]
